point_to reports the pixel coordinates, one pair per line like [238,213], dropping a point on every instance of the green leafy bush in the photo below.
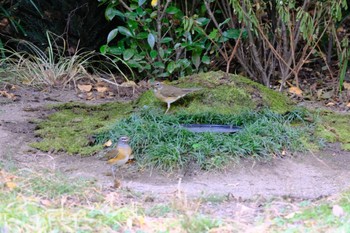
[163,41]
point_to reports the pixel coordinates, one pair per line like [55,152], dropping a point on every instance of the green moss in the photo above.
[335,127]
[148,99]
[222,93]
[222,99]
[346,146]
[69,128]
[276,101]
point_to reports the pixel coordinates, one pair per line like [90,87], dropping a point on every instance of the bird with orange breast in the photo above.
[121,154]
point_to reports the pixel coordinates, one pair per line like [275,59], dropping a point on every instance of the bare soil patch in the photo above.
[242,187]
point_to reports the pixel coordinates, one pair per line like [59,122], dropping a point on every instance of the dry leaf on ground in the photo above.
[128,84]
[8,95]
[108,143]
[10,185]
[102,89]
[346,85]
[85,87]
[338,211]
[295,90]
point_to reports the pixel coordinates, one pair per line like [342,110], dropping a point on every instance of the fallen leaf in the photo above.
[10,185]
[117,184]
[329,104]
[291,215]
[129,223]
[89,96]
[295,90]
[8,95]
[112,197]
[346,85]
[338,211]
[348,105]
[319,93]
[102,89]
[140,221]
[46,202]
[100,95]
[108,143]
[327,95]
[128,84]
[85,87]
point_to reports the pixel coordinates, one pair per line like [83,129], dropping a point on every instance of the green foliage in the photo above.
[158,140]
[162,41]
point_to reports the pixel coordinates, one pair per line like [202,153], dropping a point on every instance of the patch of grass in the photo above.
[199,223]
[213,198]
[52,185]
[39,203]
[316,217]
[69,128]
[50,202]
[26,214]
[159,141]
[159,210]
[334,127]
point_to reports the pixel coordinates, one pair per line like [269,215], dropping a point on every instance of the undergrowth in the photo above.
[158,140]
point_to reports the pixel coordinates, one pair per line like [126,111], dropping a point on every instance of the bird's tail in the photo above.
[188,90]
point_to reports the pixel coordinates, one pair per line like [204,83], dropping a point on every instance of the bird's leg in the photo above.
[113,171]
[167,108]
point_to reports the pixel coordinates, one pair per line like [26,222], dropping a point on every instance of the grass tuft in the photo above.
[158,140]
[199,223]
[52,67]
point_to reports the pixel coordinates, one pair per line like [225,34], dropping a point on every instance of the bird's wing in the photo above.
[170,91]
[188,90]
[118,157]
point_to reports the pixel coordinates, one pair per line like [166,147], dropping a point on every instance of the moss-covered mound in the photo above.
[222,93]
[222,97]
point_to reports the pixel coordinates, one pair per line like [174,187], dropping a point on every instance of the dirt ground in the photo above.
[303,176]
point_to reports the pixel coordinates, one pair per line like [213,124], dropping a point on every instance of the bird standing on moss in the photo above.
[170,94]
[121,154]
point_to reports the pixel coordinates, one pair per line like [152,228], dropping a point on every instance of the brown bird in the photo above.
[121,154]
[169,94]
